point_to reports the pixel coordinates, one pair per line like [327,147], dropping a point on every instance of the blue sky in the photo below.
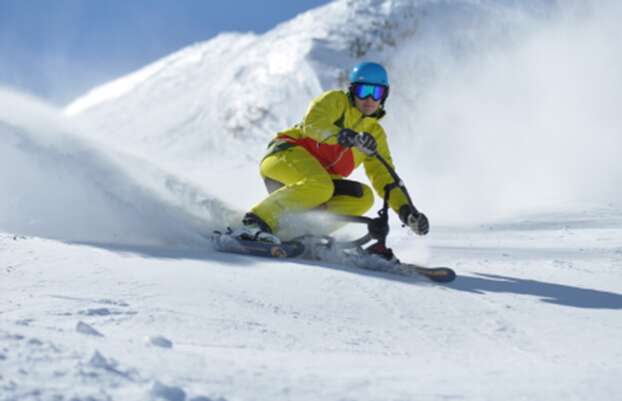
[58,49]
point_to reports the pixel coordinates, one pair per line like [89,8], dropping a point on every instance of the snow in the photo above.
[532,315]
[503,121]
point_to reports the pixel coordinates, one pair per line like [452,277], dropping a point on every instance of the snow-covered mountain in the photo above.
[503,112]
[479,88]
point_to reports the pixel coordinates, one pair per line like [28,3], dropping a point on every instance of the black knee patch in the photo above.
[342,187]
[348,188]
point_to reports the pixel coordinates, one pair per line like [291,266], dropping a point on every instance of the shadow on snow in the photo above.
[553,293]
[205,253]
[559,294]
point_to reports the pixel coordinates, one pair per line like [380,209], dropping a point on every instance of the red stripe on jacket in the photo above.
[336,159]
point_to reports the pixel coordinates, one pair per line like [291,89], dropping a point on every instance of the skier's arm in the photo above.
[378,174]
[323,115]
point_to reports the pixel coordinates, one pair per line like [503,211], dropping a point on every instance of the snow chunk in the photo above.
[99,361]
[84,328]
[96,312]
[159,341]
[169,393]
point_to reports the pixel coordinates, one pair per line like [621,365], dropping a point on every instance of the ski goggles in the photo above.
[363,91]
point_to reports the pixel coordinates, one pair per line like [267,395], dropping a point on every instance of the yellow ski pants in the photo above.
[304,184]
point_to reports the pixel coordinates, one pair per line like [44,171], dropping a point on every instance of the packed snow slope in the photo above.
[503,120]
[535,314]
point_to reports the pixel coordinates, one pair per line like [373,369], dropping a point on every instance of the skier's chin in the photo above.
[368,111]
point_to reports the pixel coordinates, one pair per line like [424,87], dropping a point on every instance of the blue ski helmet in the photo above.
[369,73]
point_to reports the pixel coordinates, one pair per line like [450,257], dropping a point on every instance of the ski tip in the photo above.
[439,274]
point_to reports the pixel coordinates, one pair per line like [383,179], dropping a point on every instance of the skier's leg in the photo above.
[351,198]
[306,184]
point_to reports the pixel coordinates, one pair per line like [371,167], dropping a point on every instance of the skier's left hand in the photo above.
[366,143]
[416,221]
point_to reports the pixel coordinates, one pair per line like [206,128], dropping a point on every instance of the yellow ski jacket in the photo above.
[317,133]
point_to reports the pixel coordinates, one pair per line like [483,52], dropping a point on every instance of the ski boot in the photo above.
[382,251]
[254,229]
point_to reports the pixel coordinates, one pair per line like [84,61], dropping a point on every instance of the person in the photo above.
[306,165]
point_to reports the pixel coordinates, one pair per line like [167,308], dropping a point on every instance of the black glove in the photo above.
[346,137]
[416,221]
[366,143]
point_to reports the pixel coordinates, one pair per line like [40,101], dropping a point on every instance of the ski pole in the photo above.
[397,181]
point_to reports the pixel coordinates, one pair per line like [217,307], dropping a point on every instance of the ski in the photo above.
[226,243]
[303,250]
[360,259]
[436,274]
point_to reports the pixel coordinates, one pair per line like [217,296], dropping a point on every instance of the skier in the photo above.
[305,165]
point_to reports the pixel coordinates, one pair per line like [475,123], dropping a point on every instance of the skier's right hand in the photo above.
[363,141]
[347,137]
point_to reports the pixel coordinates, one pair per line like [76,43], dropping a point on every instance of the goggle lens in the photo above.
[363,91]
